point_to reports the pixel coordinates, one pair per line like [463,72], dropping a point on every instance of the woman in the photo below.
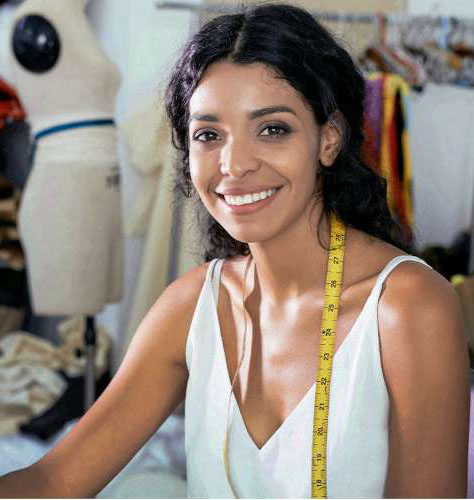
[267,110]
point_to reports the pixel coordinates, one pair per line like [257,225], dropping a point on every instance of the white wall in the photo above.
[453,8]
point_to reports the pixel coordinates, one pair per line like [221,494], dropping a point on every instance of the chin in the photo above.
[249,237]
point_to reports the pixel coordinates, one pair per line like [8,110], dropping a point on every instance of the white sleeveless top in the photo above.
[357,442]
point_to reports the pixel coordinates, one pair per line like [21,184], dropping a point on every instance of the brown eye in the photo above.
[205,136]
[275,130]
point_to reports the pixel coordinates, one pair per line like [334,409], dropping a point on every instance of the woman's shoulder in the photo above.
[418,313]
[408,278]
[187,287]
[411,292]
[370,255]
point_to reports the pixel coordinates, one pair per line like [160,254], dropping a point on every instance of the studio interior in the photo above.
[90,234]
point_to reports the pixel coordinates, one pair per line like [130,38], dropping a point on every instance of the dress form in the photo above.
[70,218]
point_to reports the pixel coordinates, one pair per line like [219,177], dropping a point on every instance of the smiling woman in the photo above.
[323,87]
[267,142]
[355,382]
[267,111]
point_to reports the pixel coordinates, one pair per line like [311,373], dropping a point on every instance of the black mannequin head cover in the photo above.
[36,43]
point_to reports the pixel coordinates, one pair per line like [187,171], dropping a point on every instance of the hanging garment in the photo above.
[388,143]
[147,136]
[358,440]
[441,125]
[443,46]
[373,115]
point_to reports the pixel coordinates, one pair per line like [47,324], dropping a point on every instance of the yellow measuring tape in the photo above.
[332,292]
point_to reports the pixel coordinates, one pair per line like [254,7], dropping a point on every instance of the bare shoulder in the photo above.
[419,314]
[414,293]
[175,307]
[186,288]
[425,364]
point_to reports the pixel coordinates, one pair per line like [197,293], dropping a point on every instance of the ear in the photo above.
[331,139]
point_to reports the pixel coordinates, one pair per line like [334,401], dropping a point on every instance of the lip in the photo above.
[245,190]
[250,208]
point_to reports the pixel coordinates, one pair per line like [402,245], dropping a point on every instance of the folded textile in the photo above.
[29,365]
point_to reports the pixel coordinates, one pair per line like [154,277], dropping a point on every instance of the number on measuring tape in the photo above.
[326,351]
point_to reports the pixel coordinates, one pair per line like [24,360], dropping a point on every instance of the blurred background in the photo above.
[89,235]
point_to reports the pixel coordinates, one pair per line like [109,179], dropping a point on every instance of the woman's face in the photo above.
[254,149]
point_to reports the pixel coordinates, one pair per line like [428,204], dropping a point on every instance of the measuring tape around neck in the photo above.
[332,292]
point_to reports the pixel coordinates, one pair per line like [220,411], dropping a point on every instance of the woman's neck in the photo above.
[291,265]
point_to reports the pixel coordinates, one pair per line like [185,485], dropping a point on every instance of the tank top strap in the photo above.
[394,263]
[214,276]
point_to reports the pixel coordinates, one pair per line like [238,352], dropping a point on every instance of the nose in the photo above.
[237,159]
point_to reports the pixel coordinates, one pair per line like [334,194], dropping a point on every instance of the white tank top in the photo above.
[357,443]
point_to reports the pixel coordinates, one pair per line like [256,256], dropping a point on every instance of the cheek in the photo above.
[197,173]
[202,182]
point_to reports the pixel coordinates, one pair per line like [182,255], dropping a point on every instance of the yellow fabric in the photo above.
[387,114]
[407,163]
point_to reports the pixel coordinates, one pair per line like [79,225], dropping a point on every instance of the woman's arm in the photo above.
[149,385]
[426,367]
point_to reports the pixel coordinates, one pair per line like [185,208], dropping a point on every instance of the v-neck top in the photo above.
[357,441]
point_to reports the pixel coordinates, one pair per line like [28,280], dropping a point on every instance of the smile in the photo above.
[249,203]
[247,199]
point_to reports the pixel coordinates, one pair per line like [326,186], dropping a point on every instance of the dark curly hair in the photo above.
[306,55]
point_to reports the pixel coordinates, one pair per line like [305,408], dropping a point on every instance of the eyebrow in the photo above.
[252,114]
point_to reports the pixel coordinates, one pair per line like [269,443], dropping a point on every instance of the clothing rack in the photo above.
[325,16]
[229,8]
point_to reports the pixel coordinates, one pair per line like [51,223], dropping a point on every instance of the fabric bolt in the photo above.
[358,440]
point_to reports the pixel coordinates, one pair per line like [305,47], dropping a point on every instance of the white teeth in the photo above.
[248,198]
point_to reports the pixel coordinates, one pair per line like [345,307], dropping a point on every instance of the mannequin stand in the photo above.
[90,345]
